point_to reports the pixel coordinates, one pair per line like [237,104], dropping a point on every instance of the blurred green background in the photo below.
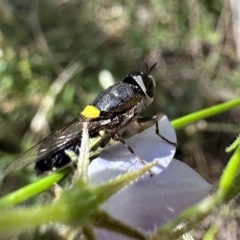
[52,53]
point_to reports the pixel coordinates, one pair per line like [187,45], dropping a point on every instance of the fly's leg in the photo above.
[155,119]
[117,137]
[57,190]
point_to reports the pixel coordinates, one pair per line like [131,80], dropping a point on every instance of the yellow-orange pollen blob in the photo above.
[90,112]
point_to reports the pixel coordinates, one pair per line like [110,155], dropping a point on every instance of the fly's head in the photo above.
[144,82]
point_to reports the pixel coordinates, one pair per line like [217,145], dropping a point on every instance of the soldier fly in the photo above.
[111,112]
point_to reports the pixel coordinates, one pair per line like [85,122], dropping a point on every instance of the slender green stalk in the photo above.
[208,112]
[230,171]
[32,189]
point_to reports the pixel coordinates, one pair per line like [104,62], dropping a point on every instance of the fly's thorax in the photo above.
[119,98]
[134,92]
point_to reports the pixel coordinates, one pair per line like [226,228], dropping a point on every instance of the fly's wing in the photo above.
[49,145]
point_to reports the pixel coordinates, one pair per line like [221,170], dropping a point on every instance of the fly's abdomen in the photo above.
[57,160]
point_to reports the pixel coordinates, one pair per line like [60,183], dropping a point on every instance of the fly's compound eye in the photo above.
[149,84]
[143,80]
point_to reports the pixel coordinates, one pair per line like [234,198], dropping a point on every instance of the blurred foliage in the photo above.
[51,54]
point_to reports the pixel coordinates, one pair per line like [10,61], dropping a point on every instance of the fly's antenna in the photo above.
[151,68]
[146,66]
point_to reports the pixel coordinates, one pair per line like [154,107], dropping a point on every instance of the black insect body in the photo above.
[111,111]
